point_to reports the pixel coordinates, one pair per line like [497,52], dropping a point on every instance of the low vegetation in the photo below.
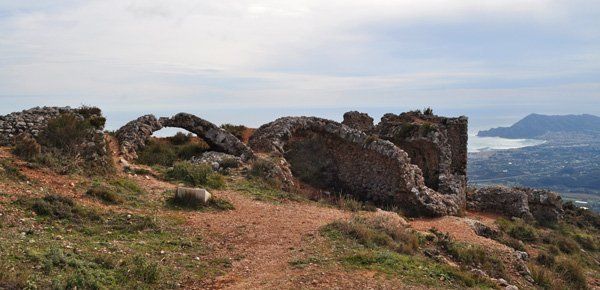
[214,204]
[564,251]
[196,175]
[66,245]
[64,145]
[235,130]
[167,151]
[367,243]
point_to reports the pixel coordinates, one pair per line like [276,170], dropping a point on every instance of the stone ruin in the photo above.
[437,145]
[414,161]
[333,156]
[546,207]
[33,121]
[134,135]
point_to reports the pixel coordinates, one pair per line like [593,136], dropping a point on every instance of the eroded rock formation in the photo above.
[437,145]
[330,155]
[526,203]
[359,121]
[134,135]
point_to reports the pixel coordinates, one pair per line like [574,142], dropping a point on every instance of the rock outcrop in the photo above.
[134,135]
[437,145]
[331,155]
[526,203]
[359,121]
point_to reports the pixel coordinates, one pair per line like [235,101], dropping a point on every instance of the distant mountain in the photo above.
[536,125]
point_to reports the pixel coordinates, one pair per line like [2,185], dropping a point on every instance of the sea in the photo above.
[479,144]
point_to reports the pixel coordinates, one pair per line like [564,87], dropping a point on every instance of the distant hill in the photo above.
[536,125]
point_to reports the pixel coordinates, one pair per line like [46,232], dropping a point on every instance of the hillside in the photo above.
[535,126]
[76,213]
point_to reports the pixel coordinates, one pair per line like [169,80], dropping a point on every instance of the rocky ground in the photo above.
[261,239]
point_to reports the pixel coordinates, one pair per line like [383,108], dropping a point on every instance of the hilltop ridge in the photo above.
[536,125]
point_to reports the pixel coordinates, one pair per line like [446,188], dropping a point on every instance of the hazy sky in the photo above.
[231,57]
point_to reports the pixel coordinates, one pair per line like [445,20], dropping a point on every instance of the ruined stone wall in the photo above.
[31,121]
[367,167]
[526,203]
[134,135]
[437,145]
[359,121]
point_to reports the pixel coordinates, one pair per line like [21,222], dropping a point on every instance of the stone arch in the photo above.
[134,135]
[341,158]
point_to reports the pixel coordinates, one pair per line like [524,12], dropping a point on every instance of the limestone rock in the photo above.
[437,145]
[359,121]
[526,203]
[348,159]
[134,135]
[218,160]
[188,195]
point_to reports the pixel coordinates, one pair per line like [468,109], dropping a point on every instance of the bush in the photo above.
[105,194]
[157,152]
[187,151]
[564,243]
[57,206]
[235,130]
[572,273]
[546,259]
[375,233]
[545,278]
[180,138]
[196,174]
[143,270]
[27,147]
[518,229]
[65,132]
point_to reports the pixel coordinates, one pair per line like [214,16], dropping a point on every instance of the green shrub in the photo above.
[545,278]
[9,170]
[143,270]
[546,259]
[105,194]
[235,130]
[374,233]
[180,138]
[262,168]
[588,242]
[187,151]
[518,229]
[65,132]
[27,147]
[572,273]
[56,206]
[566,245]
[471,255]
[157,152]
[196,174]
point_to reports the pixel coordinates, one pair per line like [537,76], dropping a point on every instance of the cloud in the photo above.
[126,55]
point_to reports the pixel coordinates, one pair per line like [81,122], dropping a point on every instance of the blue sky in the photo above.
[249,61]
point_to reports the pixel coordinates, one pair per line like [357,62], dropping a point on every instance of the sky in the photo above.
[248,62]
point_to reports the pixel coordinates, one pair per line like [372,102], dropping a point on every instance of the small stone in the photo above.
[511,287]
[502,282]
